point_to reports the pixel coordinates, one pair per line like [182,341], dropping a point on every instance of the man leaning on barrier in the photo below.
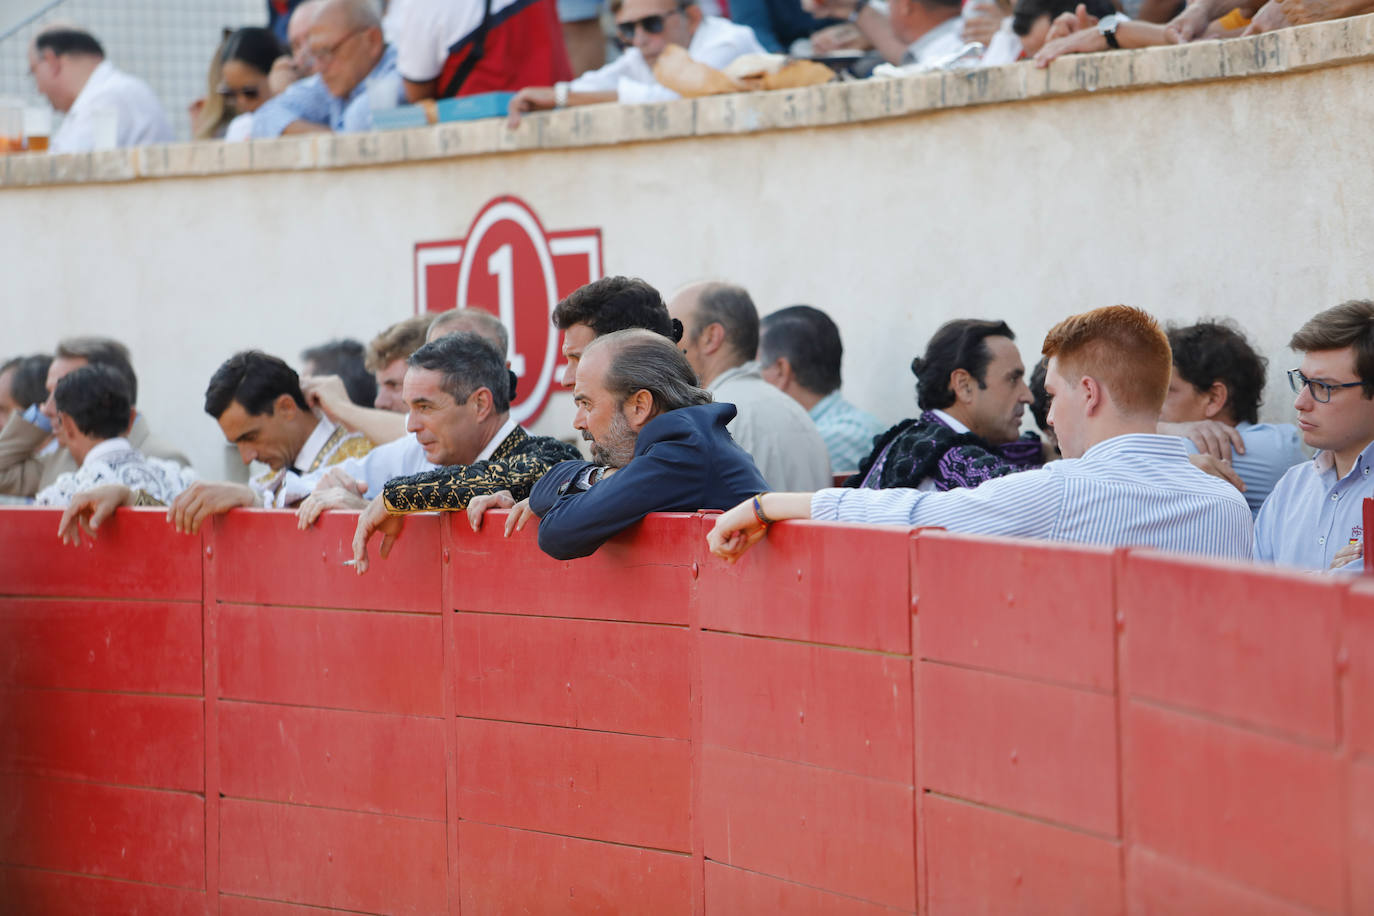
[658,442]
[458,392]
[1121,483]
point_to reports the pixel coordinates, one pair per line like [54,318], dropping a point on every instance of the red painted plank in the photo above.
[827,829]
[735,892]
[833,708]
[1254,645]
[101,645]
[24,890]
[1361,857]
[1020,620]
[596,785]
[643,575]
[1357,628]
[812,583]
[230,905]
[1260,810]
[149,741]
[408,580]
[1156,886]
[619,677]
[1037,749]
[982,862]
[138,555]
[333,759]
[332,858]
[516,871]
[114,831]
[345,660]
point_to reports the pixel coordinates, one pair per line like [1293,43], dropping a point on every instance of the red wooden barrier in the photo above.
[848,721]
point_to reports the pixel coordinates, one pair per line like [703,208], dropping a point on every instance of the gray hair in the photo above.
[731,308]
[359,14]
[468,362]
[643,360]
[477,321]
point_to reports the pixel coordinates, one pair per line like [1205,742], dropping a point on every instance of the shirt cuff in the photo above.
[825,504]
[34,414]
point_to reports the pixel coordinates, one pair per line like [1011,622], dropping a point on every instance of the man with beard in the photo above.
[658,444]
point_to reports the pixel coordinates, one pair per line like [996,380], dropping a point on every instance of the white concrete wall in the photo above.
[1244,197]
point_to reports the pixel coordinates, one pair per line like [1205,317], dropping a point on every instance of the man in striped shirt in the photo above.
[1121,484]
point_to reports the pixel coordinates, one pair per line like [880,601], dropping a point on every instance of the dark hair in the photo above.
[1212,351]
[468,362]
[29,385]
[809,340]
[100,351]
[97,399]
[254,46]
[731,308]
[642,360]
[344,358]
[255,380]
[1350,324]
[614,304]
[1040,398]
[958,344]
[67,40]
[1026,12]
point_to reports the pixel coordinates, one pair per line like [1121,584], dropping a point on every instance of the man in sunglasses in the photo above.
[646,27]
[1314,517]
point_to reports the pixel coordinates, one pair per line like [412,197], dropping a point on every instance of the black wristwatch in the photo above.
[1107,26]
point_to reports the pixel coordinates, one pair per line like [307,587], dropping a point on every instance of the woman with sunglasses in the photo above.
[244,65]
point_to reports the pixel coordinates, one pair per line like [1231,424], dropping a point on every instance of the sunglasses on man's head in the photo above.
[248,92]
[651,24]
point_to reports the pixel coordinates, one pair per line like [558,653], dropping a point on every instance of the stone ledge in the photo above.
[1328,44]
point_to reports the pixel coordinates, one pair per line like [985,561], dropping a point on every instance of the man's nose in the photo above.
[570,376]
[412,422]
[247,453]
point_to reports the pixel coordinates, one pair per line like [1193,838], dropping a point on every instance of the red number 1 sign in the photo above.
[508,265]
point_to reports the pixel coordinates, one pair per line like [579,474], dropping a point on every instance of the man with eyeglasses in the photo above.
[646,27]
[1314,517]
[104,107]
[355,73]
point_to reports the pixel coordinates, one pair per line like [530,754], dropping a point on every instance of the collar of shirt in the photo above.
[107,447]
[98,78]
[826,404]
[744,370]
[1137,444]
[311,450]
[1325,463]
[506,429]
[950,421]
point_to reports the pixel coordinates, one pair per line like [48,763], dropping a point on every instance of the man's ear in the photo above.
[284,406]
[69,428]
[712,337]
[639,408]
[1094,395]
[481,403]
[962,383]
[786,373]
[694,15]
[1217,396]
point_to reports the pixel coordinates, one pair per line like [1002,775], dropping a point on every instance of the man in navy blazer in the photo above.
[658,442]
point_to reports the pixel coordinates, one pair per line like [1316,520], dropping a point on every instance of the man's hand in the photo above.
[1218,468]
[89,508]
[735,532]
[327,392]
[202,499]
[1270,18]
[344,497]
[1066,24]
[843,36]
[375,518]
[282,74]
[1348,554]
[531,98]
[520,513]
[981,22]
[1188,25]
[1082,41]
[1210,437]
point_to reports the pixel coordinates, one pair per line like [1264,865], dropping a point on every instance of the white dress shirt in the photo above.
[397,458]
[116,461]
[1128,491]
[716,43]
[113,109]
[774,429]
[937,44]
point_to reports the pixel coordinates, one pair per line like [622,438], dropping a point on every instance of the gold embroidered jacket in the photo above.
[517,463]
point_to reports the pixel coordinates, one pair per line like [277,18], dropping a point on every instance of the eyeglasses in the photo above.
[651,24]
[248,92]
[324,55]
[1320,391]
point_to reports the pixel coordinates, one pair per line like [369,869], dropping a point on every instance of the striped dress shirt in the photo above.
[1132,490]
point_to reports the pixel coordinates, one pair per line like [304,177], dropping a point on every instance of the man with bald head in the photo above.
[300,63]
[658,445]
[355,72]
[720,340]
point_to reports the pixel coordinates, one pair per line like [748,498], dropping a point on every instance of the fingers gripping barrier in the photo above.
[851,720]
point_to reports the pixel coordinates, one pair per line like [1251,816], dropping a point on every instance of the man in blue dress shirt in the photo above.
[1314,517]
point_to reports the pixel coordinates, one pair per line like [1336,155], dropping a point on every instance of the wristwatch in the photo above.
[560,95]
[1107,26]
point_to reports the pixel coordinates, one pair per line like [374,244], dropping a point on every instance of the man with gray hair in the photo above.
[458,392]
[658,442]
[720,341]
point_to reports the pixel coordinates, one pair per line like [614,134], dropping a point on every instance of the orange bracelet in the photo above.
[758,510]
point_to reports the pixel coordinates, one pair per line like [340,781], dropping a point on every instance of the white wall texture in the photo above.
[1246,198]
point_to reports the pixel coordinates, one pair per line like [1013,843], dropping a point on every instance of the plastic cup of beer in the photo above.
[37,128]
[11,127]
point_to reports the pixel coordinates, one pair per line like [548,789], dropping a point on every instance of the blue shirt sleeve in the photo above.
[303,100]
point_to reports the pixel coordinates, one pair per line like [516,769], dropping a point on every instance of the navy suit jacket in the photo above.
[684,460]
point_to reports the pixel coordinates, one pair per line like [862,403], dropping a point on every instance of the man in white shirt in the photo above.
[920,32]
[647,26]
[720,339]
[104,107]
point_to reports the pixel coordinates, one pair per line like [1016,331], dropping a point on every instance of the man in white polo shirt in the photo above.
[104,107]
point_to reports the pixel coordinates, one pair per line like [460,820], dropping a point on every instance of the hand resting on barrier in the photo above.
[520,511]
[89,508]
[336,490]
[373,519]
[745,525]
